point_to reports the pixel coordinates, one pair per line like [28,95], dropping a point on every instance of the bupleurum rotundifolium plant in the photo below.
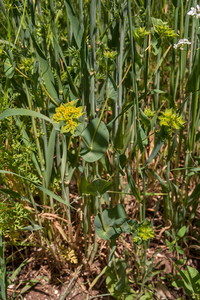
[149,113]
[170,120]
[67,115]
[139,34]
[162,29]
[143,232]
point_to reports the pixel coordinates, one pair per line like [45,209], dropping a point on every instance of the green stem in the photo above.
[85,221]
[167,207]
[3,270]
[22,20]
[36,136]
[65,185]
[99,122]
[101,213]
[132,42]
[144,186]
[84,141]
[8,19]
[92,70]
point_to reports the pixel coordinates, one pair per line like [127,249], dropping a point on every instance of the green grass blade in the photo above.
[50,157]
[93,56]
[76,27]
[132,185]
[27,142]
[155,150]
[3,272]
[55,38]
[72,85]
[48,76]
[3,8]
[26,112]
[43,189]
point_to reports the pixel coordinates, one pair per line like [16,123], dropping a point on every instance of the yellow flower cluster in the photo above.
[169,118]
[139,34]
[110,54]
[68,254]
[143,233]
[149,113]
[146,233]
[69,114]
[163,29]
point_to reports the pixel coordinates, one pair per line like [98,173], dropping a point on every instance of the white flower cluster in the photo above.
[195,12]
[181,43]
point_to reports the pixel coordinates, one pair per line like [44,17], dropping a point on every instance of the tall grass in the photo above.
[117,59]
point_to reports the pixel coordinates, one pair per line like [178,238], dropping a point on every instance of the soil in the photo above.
[52,278]
[53,286]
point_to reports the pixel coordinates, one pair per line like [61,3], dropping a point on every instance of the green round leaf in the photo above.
[9,63]
[117,280]
[78,130]
[98,187]
[111,217]
[112,92]
[95,141]
[9,67]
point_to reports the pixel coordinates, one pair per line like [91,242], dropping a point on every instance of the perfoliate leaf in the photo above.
[112,92]
[95,140]
[107,230]
[98,187]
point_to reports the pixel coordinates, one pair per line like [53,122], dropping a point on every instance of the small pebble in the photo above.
[11,286]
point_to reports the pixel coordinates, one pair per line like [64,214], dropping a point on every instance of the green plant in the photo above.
[85,95]
[174,246]
[3,273]
[110,224]
[13,219]
[190,282]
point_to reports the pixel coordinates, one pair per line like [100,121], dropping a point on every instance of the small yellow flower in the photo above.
[68,254]
[163,29]
[110,54]
[169,118]
[139,34]
[149,113]
[143,233]
[146,233]
[69,114]
[136,239]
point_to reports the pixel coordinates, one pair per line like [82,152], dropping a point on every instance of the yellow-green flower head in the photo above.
[110,54]
[69,114]
[163,29]
[137,239]
[145,232]
[170,119]
[149,113]
[67,254]
[139,34]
